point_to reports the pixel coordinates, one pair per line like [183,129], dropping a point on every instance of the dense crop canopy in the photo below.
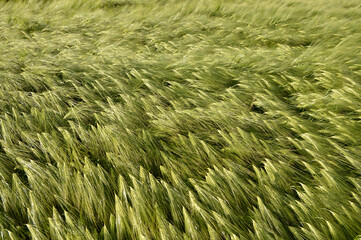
[161,119]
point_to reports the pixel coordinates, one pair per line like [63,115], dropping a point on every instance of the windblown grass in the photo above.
[188,119]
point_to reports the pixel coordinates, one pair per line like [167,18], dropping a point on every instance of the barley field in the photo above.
[180,119]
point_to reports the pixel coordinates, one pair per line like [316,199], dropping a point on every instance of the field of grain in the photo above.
[166,119]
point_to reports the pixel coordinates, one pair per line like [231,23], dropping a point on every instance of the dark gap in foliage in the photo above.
[60,75]
[309,76]
[60,209]
[20,172]
[32,89]
[257,109]
[101,160]
[117,3]
[74,101]
[33,26]
[346,111]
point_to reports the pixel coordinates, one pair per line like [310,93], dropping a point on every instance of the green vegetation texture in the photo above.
[151,119]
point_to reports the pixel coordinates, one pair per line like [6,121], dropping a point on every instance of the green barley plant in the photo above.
[165,119]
